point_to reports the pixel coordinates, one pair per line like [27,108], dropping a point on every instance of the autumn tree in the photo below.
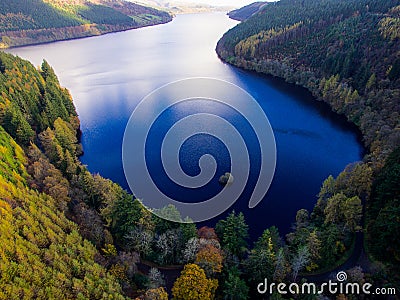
[208,233]
[156,294]
[344,211]
[327,191]
[355,180]
[209,258]
[193,284]
[314,248]
[302,218]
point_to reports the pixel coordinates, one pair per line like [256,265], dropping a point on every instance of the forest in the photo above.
[69,234]
[38,21]
[347,54]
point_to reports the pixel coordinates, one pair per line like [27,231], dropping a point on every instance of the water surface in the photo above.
[110,74]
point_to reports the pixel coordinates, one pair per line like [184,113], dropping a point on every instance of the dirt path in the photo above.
[170,273]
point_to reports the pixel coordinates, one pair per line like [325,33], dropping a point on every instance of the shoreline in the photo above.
[358,246]
[316,99]
[83,36]
[282,83]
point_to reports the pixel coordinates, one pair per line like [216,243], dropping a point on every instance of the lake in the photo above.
[109,75]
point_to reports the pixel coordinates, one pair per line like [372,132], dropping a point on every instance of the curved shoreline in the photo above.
[354,257]
[280,82]
[86,34]
[253,68]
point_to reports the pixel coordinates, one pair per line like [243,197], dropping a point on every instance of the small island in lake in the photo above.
[226,179]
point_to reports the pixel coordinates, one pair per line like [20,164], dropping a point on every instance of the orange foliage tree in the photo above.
[210,259]
[207,233]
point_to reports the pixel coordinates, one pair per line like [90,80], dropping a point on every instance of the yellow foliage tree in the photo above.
[194,285]
[156,294]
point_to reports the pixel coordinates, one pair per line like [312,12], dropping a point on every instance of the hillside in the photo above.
[65,233]
[43,254]
[346,52]
[247,11]
[69,234]
[37,21]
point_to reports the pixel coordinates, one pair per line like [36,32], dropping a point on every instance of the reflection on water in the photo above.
[109,75]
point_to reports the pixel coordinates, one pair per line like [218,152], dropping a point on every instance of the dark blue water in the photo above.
[109,75]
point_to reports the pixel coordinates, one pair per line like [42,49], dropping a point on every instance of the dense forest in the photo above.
[38,21]
[66,233]
[43,255]
[69,234]
[347,54]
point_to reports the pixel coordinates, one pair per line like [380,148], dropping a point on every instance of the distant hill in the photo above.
[176,7]
[247,11]
[25,22]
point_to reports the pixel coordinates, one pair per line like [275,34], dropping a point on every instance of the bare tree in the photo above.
[156,279]
[191,249]
[301,259]
[139,240]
